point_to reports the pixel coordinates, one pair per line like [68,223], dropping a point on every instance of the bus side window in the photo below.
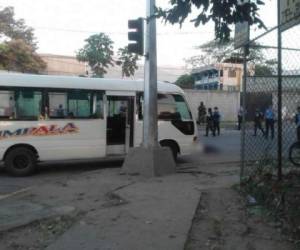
[57,104]
[7,105]
[28,104]
[139,105]
[98,106]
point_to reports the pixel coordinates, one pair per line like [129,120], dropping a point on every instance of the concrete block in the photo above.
[149,162]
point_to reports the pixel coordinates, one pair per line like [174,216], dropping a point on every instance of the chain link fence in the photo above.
[267,137]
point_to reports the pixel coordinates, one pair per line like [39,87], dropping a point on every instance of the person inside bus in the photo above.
[60,112]
[71,115]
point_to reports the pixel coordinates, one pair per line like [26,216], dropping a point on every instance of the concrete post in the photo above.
[150,159]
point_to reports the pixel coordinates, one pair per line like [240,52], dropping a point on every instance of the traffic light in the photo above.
[136,37]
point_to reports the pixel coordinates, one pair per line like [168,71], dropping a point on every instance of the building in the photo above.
[69,65]
[222,76]
[63,65]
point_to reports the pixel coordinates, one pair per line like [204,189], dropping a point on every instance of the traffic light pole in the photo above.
[150,159]
[150,89]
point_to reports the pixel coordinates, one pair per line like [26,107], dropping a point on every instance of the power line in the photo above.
[120,33]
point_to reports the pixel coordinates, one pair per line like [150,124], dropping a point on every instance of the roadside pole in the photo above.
[279,97]
[150,159]
[150,90]
[243,137]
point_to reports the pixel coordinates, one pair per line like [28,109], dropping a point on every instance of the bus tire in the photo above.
[172,146]
[21,161]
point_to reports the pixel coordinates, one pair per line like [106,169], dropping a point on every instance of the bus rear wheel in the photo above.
[20,161]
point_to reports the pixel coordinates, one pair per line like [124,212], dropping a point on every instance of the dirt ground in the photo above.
[223,222]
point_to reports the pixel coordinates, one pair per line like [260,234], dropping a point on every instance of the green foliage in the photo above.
[17,51]
[17,55]
[216,52]
[15,29]
[98,52]
[185,81]
[128,62]
[222,13]
[263,70]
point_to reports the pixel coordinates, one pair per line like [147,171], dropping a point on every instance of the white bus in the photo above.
[46,118]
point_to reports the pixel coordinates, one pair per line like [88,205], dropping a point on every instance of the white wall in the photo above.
[227,102]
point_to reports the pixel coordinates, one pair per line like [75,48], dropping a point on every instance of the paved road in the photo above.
[219,149]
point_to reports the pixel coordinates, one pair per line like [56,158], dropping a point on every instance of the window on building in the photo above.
[221,73]
[231,73]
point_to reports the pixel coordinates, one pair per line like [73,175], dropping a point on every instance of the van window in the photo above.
[75,104]
[169,107]
[28,104]
[173,107]
[7,105]
[20,104]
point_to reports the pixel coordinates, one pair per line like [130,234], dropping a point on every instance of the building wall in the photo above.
[225,81]
[227,102]
[68,65]
[63,65]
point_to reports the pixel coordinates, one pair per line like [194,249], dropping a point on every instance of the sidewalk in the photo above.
[107,211]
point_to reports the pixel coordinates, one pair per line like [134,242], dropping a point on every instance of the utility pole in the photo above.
[150,159]
[150,89]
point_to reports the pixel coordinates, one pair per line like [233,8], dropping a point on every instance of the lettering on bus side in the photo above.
[44,130]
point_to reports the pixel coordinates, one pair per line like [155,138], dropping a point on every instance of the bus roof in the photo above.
[73,82]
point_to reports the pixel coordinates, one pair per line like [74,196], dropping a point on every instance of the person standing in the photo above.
[201,113]
[209,123]
[240,117]
[216,120]
[270,120]
[258,118]
[297,121]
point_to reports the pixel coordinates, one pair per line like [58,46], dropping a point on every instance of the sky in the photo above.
[61,26]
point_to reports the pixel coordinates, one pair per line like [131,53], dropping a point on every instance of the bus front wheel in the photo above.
[172,147]
[21,161]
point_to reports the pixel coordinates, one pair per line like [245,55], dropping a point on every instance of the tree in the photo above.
[17,55]
[15,29]
[128,62]
[216,52]
[185,81]
[222,13]
[98,52]
[18,46]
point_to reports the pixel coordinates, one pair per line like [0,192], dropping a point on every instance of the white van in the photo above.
[47,118]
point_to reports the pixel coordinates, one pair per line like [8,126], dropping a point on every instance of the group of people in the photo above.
[211,118]
[268,116]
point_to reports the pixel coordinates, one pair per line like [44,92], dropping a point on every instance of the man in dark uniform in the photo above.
[216,120]
[201,113]
[258,117]
[270,121]
[209,122]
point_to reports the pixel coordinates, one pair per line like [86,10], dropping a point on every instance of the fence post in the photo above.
[279,98]
[243,137]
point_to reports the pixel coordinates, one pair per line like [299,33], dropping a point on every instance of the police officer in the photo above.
[258,117]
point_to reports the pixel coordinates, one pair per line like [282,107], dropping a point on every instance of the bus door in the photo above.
[120,123]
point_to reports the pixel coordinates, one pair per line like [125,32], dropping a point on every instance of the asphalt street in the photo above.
[220,149]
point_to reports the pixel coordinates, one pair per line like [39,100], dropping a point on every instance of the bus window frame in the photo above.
[45,101]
